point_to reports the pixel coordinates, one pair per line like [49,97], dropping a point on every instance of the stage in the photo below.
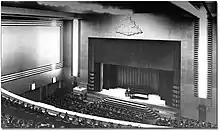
[139,101]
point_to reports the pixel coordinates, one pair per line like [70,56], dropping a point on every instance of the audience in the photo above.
[183,123]
[14,121]
[101,108]
[42,119]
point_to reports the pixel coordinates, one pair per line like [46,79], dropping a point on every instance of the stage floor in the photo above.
[119,93]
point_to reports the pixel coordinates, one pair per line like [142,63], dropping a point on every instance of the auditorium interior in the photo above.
[108,64]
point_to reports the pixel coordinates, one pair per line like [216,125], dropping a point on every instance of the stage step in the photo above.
[139,104]
[126,102]
[123,104]
[131,106]
[158,108]
[130,103]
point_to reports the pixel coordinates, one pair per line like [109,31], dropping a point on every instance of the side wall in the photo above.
[20,79]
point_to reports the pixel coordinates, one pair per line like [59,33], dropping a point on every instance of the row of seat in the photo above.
[144,109]
[16,114]
[74,104]
[142,115]
[183,123]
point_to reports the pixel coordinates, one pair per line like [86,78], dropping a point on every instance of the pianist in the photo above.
[127,92]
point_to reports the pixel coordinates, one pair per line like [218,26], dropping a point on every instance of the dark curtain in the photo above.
[138,77]
[109,76]
[147,81]
[97,67]
[176,64]
[166,86]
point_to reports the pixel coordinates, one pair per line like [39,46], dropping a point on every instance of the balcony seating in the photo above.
[16,114]
[184,123]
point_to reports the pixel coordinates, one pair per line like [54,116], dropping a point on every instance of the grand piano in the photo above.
[140,90]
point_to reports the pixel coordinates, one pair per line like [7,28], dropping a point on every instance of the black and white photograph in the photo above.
[109,65]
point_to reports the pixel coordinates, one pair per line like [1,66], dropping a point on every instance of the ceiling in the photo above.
[111,7]
[211,6]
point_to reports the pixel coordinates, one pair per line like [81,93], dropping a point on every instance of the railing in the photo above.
[53,111]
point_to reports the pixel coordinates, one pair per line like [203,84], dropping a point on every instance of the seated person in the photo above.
[83,122]
[38,124]
[31,109]
[129,126]
[105,126]
[96,123]
[3,116]
[75,120]
[20,123]
[126,93]
[203,124]
[17,104]
[111,125]
[214,126]
[10,119]
[36,112]
[209,125]
[22,106]
[27,108]
[50,125]
[4,102]
[119,126]
[46,114]
[40,111]
[13,104]
[9,99]
[15,123]
[89,123]
[31,123]
[100,125]
[9,124]
[26,124]
[66,118]
[58,117]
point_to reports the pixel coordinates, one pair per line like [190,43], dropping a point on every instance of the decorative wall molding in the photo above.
[30,72]
[195,61]
[128,27]
[6,22]
[210,59]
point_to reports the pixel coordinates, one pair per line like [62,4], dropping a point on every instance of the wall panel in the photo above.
[28,47]
[31,52]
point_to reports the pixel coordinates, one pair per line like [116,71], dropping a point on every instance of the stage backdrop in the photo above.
[151,54]
[28,47]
